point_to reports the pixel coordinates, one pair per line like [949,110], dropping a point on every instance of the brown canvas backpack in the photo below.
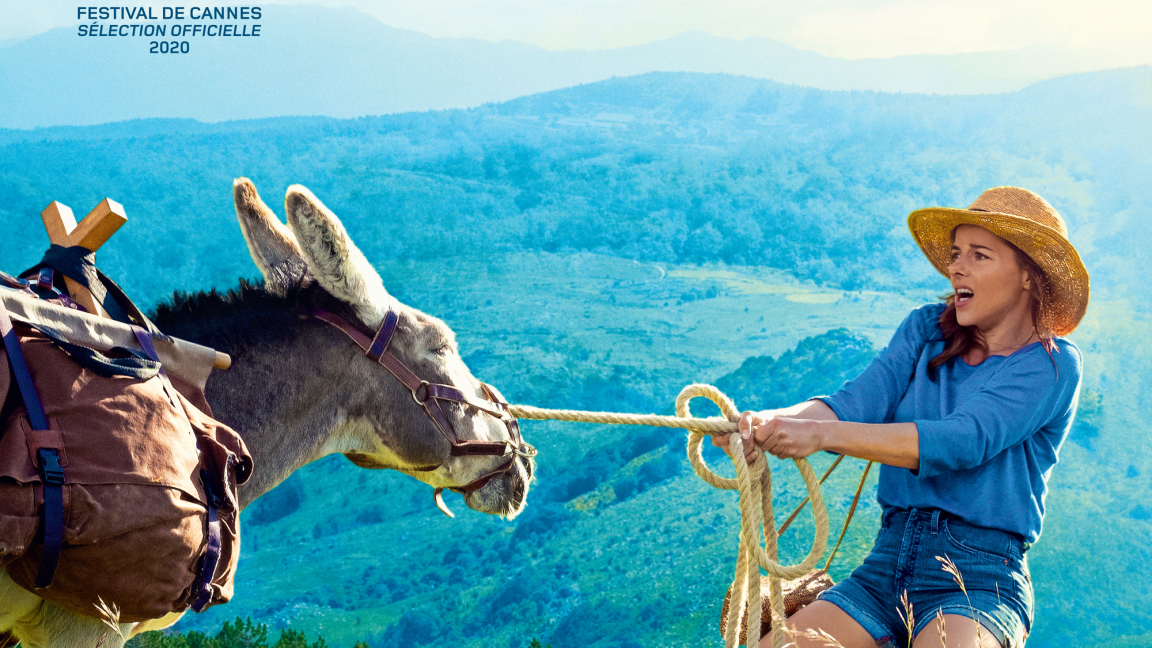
[148,512]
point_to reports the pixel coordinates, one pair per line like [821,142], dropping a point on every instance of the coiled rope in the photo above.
[754,482]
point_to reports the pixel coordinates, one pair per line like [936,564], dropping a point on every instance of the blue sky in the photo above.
[1106,33]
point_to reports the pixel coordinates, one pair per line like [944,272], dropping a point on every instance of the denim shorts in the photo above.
[905,559]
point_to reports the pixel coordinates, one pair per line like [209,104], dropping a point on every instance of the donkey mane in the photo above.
[243,317]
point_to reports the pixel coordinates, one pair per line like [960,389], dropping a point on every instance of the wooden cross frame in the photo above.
[96,228]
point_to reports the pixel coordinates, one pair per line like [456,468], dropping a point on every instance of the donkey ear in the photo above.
[271,244]
[332,258]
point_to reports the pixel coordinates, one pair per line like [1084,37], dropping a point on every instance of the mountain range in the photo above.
[343,63]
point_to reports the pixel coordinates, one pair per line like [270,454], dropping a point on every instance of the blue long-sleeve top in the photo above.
[989,434]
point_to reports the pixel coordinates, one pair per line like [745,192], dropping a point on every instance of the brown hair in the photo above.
[962,339]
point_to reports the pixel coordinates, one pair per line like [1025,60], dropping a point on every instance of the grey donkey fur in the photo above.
[308,391]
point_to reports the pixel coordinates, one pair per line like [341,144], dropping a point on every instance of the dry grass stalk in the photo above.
[110,616]
[906,615]
[951,568]
[820,636]
[940,627]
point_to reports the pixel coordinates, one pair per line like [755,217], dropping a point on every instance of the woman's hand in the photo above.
[781,436]
[722,440]
[786,438]
[812,426]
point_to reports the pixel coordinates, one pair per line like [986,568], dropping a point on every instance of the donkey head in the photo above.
[383,423]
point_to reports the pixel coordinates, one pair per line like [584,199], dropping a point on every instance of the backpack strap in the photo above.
[202,592]
[135,365]
[50,470]
[78,263]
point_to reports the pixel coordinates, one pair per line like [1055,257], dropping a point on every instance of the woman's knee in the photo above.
[815,624]
[957,631]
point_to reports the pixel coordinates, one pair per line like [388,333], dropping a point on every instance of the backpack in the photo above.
[116,483]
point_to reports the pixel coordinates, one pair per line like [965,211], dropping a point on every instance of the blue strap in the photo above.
[134,366]
[23,377]
[202,588]
[53,476]
[79,264]
[145,340]
[50,470]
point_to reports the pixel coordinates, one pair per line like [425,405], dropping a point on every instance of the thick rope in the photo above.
[754,482]
[711,425]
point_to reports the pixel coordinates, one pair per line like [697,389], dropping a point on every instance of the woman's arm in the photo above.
[809,427]
[894,444]
[811,410]
[814,425]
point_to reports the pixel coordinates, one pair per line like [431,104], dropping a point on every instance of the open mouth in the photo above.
[506,493]
[501,492]
[963,295]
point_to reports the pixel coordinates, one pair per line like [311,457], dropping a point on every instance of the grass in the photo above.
[950,567]
[906,615]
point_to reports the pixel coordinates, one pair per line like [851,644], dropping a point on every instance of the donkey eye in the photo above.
[444,350]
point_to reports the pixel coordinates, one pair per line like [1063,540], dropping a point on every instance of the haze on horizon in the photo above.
[1109,33]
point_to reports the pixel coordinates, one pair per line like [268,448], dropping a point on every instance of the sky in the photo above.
[1109,32]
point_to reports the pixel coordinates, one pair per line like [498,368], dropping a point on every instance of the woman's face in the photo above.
[991,286]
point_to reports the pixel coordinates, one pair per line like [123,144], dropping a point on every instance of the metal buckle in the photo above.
[527,454]
[416,393]
[16,283]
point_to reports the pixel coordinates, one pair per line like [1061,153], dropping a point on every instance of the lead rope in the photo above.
[754,484]
[851,510]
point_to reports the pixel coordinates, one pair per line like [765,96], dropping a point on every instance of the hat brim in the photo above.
[1067,277]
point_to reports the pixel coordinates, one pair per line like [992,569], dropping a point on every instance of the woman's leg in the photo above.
[805,627]
[955,631]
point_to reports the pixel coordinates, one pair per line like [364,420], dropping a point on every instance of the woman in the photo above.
[966,409]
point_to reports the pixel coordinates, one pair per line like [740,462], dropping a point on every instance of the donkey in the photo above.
[299,389]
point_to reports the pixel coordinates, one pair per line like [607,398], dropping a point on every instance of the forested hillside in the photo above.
[598,248]
[662,167]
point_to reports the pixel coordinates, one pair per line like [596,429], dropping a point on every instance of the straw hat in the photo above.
[1031,224]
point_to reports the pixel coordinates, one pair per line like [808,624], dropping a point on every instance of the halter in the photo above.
[428,396]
